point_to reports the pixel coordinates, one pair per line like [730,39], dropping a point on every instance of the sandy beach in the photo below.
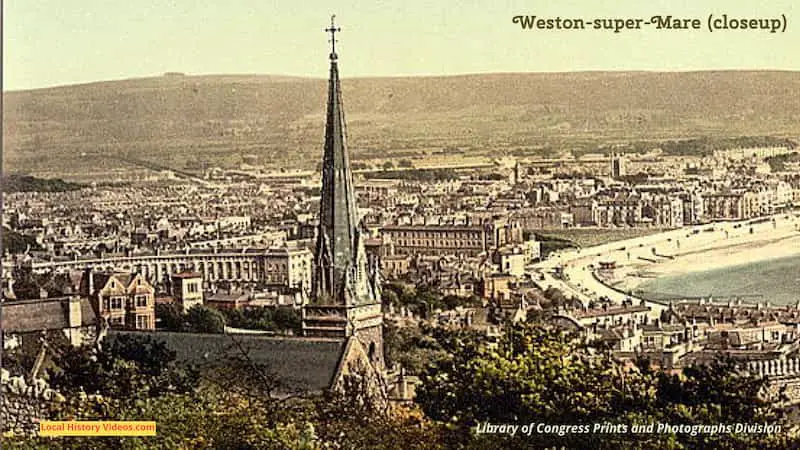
[724,247]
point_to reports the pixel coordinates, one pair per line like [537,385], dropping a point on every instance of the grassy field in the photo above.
[588,237]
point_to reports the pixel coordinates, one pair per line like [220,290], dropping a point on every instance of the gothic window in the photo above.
[372,351]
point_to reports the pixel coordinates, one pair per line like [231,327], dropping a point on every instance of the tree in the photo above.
[278,319]
[15,242]
[126,367]
[411,346]
[170,316]
[556,297]
[288,318]
[539,375]
[202,319]
[235,406]
[718,393]
[531,376]
[389,297]
[345,422]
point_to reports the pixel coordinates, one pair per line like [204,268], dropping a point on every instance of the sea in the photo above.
[776,281]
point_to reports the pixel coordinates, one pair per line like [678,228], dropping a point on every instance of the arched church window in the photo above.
[372,351]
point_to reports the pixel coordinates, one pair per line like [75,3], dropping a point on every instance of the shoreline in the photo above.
[614,270]
[733,252]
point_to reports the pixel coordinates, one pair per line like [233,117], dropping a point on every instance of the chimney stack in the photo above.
[74,312]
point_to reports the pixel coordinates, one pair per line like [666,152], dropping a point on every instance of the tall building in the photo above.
[346,296]
[187,289]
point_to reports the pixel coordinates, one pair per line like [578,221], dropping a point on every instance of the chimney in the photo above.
[74,312]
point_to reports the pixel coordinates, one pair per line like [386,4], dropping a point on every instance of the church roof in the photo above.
[300,364]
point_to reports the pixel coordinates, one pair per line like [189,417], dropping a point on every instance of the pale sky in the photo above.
[56,42]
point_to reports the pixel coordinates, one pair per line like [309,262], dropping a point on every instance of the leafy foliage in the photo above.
[15,242]
[278,319]
[170,317]
[127,367]
[203,319]
[426,175]
[27,183]
[531,375]
[778,163]
[537,375]
[552,244]
[235,407]
[198,319]
[423,299]
[413,347]
[22,358]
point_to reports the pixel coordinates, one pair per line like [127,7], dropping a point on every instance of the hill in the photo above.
[187,121]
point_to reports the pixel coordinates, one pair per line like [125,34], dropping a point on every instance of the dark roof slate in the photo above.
[300,364]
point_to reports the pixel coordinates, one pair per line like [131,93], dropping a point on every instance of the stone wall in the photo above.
[23,404]
[783,390]
[358,379]
[372,340]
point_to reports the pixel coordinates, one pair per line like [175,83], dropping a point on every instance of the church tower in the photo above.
[346,289]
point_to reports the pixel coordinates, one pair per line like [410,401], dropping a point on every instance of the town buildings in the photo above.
[187,289]
[124,300]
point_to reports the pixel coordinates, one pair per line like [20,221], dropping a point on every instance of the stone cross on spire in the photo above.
[333,29]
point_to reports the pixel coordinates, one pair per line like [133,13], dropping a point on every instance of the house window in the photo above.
[142,322]
[141,300]
[116,302]
[191,288]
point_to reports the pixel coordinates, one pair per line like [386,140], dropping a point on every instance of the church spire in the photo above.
[337,244]
[346,288]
